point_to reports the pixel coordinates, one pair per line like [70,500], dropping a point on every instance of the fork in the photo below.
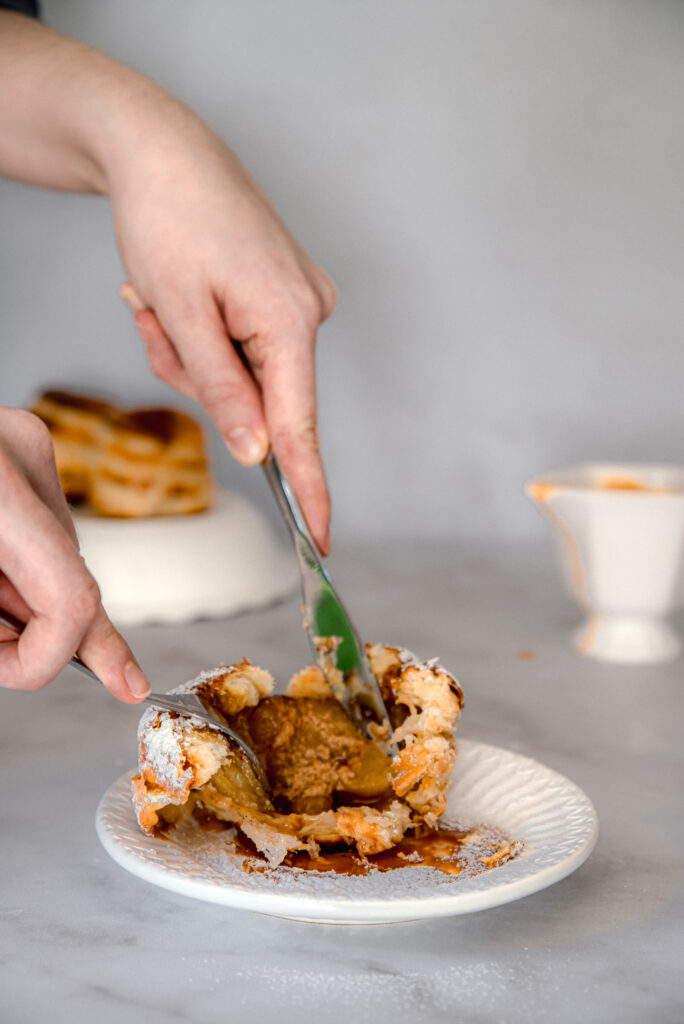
[186,704]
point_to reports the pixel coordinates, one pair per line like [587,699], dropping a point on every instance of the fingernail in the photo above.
[131,298]
[246,446]
[135,680]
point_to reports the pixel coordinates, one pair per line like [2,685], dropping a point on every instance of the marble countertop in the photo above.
[83,940]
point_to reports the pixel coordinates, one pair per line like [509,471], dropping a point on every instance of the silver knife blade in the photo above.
[334,640]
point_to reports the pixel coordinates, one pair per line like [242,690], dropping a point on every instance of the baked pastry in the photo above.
[142,462]
[330,784]
[80,427]
[153,464]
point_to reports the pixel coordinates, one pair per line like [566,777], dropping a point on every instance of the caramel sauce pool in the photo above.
[443,849]
[438,849]
[450,850]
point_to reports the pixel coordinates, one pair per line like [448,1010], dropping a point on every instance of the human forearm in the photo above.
[69,115]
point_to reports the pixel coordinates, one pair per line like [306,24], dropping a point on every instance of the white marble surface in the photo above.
[82,940]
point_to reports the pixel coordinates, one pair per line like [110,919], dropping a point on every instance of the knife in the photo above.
[334,640]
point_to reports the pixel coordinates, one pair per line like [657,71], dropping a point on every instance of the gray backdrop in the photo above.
[496,188]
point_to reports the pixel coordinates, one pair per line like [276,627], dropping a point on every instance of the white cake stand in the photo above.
[179,568]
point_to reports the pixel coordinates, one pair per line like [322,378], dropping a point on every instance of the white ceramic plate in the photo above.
[491,786]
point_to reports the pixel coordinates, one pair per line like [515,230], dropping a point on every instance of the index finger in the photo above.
[40,560]
[223,385]
[289,395]
[28,442]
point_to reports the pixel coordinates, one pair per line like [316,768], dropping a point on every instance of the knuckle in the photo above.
[84,601]
[318,292]
[327,291]
[312,310]
[303,436]
[308,435]
[35,434]
[256,348]
[164,368]
[35,672]
[37,680]
[158,364]
[302,307]
[220,393]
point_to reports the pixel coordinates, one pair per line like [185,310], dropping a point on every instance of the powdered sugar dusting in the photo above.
[159,742]
[204,677]
[555,819]
[163,750]
[162,743]
[162,734]
[217,852]
[409,659]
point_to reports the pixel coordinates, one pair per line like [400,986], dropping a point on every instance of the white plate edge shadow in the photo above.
[520,877]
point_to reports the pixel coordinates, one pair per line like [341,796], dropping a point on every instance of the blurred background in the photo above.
[496,186]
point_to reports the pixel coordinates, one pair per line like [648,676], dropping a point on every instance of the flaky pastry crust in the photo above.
[126,463]
[330,784]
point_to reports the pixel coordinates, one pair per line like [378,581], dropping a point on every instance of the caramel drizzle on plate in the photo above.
[451,851]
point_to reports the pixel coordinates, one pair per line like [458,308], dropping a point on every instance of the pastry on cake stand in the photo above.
[163,544]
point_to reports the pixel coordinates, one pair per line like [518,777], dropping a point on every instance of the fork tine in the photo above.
[188,704]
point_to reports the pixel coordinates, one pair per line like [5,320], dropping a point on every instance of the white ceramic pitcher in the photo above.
[619,531]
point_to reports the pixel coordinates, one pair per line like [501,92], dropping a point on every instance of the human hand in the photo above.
[209,260]
[43,580]
[210,264]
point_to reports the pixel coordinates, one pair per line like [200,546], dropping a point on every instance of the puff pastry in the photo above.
[135,463]
[330,784]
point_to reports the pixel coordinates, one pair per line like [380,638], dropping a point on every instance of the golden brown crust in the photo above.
[309,682]
[136,463]
[371,830]
[330,784]
[177,755]
[424,702]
